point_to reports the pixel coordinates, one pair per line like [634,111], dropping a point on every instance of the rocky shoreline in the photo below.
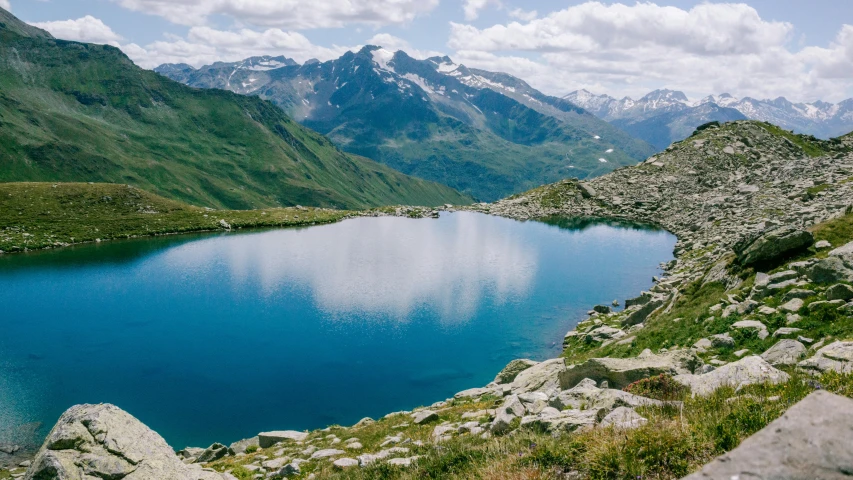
[740,198]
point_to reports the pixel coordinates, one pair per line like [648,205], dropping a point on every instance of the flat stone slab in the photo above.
[811,440]
[268,439]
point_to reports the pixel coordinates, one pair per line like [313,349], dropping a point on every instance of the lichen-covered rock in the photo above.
[811,440]
[839,291]
[543,376]
[623,418]
[837,356]
[512,369]
[746,371]
[784,352]
[621,372]
[830,270]
[556,422]
[773,245]
[104,441]
[268,439]
[587,395]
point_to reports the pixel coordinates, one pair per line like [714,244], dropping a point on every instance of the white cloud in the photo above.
[523,15]
[205,45]
[629,50]
[472,7]
[291,14]
[390,42]
[86,29]
[6,5]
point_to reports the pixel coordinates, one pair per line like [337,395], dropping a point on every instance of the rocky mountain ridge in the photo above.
[821,119]
[487,134]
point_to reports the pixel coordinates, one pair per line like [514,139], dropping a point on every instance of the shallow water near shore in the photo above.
[216,337]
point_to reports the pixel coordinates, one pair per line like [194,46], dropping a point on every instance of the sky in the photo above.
[802,50]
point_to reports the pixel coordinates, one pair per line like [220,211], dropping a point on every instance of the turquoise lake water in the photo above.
[216,337]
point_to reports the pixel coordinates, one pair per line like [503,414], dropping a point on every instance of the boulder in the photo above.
[424,416]
[759,328]
[603,309]
[639,314]
[104,441]
[703,345]
[839,291]
[513,368]
[213,452]
[745,371]
[241,445]
[785,352]
[829,270]
[623,418]
[621,372]
[722,340]
[326,453]
[844,253]
[811,440]
[511,409]
[603,333]
[837,356]
[344,463]
[587,395]
[543,377]
[268,439]
[556,422]
[586,190]
[793,305]
[773,245]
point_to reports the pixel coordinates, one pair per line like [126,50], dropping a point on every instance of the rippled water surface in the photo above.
[217,337]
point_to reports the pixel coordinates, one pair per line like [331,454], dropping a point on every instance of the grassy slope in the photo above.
[39,215]
[79,112]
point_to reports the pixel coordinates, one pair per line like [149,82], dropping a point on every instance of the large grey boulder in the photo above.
[268,439]
[587,395]
[773,245]
[240,446]
[785,352]
[621,372]
[511,409]
[811,440]
[837,356]
[640,314]
[845,253]
[213,452]
[103,441]
[512,369]
[746,371]
[830,270]
[542,377]
[839,291]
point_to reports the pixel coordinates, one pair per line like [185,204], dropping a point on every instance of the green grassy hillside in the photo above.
[79,112]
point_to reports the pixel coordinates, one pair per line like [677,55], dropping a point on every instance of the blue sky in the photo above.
[761,48]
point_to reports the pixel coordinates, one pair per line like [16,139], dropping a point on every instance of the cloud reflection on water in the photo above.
[374,265]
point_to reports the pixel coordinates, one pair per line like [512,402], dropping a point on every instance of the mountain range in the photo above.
[665,116]
[77,112]
[486,134]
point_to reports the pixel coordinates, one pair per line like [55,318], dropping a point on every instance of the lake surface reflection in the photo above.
[216,337]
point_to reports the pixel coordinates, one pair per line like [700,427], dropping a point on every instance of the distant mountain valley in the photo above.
[483,133]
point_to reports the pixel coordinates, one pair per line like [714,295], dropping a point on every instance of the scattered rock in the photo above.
[213,452]
[759,328]
[722,340]
[553,421]
[326,453]
[241,445]
[822,245]
[543,376]
[785,331]
[793,305]
[830,270]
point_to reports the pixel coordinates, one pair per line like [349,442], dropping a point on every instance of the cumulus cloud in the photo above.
[390,42]
[205,45]
[621,49]
[86,29]
[472,7]
[291,14]
[523,15]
